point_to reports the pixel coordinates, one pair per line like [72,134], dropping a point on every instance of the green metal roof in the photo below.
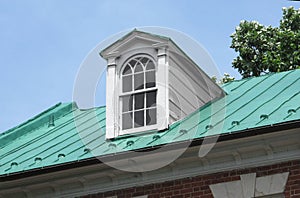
[80,134]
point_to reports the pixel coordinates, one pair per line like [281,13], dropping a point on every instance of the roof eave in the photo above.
[175,145]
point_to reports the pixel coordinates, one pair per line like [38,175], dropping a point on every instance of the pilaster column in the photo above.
[111,91]
[163,87]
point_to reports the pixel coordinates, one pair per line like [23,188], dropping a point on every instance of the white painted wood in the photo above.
[176,95]
[196,76]
[188,82]
[175,111]
[137,43]
[123,62]
[141,49]
[190,85]
[111,127]
[184,98]
[133,40]
[175,70]
[162,89]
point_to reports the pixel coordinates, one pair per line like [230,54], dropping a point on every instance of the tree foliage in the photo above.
[263,49]
[225,79]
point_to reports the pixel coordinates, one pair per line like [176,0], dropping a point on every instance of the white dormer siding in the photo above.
[133,103]
[190,87]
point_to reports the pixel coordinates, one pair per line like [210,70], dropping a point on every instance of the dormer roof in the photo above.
[133,37]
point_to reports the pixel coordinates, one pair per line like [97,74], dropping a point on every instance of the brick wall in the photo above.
[199,186]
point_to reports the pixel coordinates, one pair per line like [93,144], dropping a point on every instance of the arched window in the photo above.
[138,93]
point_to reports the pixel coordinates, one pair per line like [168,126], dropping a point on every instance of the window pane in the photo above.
[138,68]
[150,65]
[127,103]
[139,118]
[132,63]
[139,101]
[139,81]
[144,60]
[150,79]
[127,70]
[127,83]
[126,121]
[151,116]
[151,99]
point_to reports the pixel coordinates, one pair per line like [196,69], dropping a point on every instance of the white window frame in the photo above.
[145,90]
[115,62]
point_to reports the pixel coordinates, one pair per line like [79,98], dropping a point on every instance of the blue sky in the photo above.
[43,43]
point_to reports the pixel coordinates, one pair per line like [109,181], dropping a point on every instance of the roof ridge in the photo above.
[268,74]
[58,109]
[30,119]
[92,108]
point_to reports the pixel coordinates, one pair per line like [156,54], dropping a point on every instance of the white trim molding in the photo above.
[117,59]
[111,91]
[163,89]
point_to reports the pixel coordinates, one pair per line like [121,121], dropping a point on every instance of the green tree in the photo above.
[225,79]
[263,49]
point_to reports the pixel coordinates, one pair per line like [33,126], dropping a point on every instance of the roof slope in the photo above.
[80,134]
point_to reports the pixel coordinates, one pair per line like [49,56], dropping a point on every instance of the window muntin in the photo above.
[139,93]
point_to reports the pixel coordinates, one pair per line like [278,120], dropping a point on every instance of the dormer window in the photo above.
[138,93]
[150,84]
